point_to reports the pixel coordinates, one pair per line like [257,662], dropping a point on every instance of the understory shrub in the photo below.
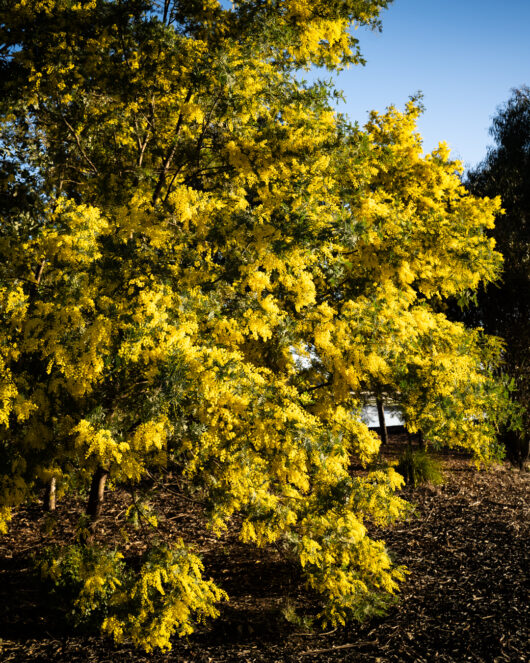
[167,596]
[417,467]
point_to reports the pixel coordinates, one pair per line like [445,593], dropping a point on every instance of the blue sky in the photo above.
[465,56]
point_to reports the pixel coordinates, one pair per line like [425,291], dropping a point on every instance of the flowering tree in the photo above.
[203,266]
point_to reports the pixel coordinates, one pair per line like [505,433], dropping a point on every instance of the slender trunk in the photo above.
[409,441]
[421,440]
[171,154]
[95,499]
[382,424]
[49,494]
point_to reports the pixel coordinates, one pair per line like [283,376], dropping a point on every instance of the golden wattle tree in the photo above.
[203,267]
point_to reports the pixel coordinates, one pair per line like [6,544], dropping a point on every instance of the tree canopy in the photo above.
[204,267]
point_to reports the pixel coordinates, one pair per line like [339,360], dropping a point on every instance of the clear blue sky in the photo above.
[464,55]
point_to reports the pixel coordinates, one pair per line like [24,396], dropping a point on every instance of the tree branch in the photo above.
[171,154]
[79,146]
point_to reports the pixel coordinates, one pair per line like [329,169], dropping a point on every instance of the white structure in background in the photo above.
[369,414]
[392,416]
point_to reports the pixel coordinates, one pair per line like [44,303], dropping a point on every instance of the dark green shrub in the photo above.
[85,578]
[417,468]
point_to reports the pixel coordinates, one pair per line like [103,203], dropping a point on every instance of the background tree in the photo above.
[190,221]
[503,308]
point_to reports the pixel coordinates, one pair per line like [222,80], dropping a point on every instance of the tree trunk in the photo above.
[409,440]
[382,424]
[517,447]
[97,492]
[421,441]
[49,494]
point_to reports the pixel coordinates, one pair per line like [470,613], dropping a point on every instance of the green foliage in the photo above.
[84,578]
[166,597]
[168,594]
[141,512]
[418,467]
[293,616]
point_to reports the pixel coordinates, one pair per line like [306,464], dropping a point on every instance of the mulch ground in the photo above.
[466,598]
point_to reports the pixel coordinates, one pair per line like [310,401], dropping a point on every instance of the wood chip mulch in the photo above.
[466,598]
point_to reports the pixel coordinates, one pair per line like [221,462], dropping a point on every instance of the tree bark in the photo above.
[421,441]
[49,494]
[97,493]
[409,440]
[382,424]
